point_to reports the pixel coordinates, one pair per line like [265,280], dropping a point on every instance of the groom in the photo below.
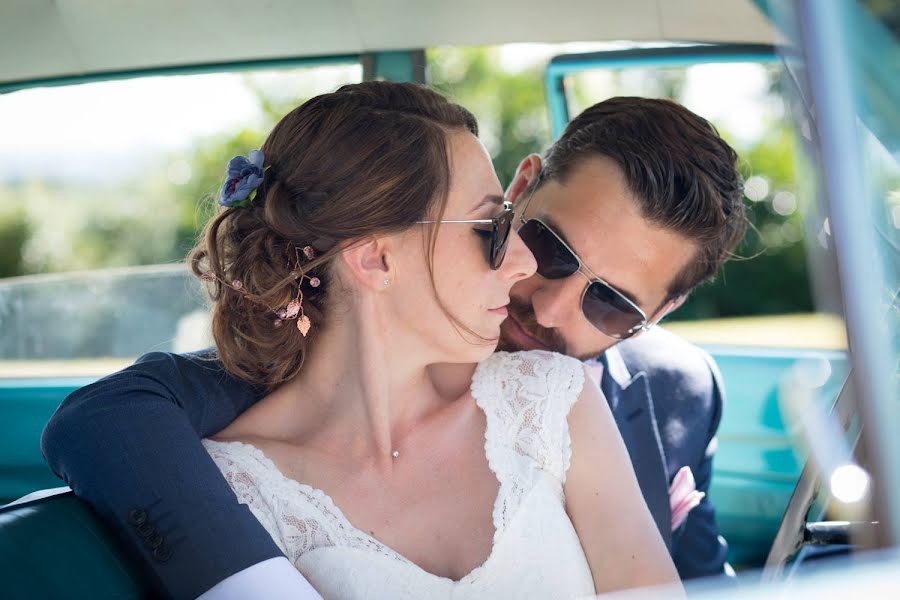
[636,204]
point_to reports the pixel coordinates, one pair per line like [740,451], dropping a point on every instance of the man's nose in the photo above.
[518,264]
[557,301]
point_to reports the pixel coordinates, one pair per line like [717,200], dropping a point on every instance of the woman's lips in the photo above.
[501,310]
[518,333]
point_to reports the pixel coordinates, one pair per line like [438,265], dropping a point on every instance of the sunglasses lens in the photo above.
[502,227]
[609,311]
[554,261]
[606,309]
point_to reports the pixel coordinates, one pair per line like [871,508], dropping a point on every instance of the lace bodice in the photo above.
[526,397]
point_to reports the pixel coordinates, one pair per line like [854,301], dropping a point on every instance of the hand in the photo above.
[683,496]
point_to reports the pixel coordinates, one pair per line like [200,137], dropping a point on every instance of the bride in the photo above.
[360,271]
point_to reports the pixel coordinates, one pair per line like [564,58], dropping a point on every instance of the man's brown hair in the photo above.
[679,169]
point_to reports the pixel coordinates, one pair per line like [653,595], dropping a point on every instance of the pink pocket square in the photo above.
[683,496]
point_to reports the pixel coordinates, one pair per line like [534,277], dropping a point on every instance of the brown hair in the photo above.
[370,158]
[682,173]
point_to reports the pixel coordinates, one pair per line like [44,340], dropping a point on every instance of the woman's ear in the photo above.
[368,262]
[526,173]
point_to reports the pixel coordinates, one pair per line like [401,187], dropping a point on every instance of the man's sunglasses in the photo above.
[605,307]
[498,234]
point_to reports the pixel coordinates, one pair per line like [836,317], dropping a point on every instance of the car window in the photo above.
[103,187]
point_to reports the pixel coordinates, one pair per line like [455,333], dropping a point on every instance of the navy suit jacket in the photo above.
[666,396]
[129,445]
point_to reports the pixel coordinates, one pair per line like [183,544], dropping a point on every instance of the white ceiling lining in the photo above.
[53,38]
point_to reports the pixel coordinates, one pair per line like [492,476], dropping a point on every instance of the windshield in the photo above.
[887,12]
[843,94]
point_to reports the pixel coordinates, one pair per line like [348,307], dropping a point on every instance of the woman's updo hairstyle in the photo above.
[370,158]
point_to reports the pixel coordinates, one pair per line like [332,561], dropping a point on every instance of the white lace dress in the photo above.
[536,552]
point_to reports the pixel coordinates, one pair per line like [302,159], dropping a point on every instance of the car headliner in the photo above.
[45,39]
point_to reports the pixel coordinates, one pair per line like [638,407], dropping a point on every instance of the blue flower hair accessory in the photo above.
[241,180]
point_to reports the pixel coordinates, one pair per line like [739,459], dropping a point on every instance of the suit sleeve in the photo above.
[129,445]
[698,549]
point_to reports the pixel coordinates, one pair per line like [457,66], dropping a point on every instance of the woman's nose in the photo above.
[519,262]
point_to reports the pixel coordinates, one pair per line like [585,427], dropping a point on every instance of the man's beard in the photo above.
[551,339]
[523,314]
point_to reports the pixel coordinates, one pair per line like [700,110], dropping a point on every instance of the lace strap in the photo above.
[527,397]
[299,517]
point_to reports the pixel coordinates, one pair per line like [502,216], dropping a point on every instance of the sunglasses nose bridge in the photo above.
[586,277]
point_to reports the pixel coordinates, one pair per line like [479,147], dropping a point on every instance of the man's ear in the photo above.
[526,173]
[664,310]
[668,307]
[368,262]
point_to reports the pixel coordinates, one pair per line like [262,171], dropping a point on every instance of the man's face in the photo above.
[595,214]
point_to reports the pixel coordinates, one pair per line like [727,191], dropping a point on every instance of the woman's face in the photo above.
[473,293]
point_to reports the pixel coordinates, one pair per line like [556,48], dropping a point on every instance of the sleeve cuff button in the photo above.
[162,553]
[137,517]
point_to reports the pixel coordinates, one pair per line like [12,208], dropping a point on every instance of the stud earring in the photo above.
[387,282]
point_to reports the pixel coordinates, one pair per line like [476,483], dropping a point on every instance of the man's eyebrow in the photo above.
[489,199]
[548,220]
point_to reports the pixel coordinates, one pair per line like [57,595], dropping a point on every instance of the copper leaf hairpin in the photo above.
[294,309]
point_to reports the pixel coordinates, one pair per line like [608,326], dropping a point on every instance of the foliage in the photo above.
[195,200]
[769,274]
[14,232]
[510,107]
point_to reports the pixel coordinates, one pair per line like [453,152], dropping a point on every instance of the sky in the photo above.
[105,126]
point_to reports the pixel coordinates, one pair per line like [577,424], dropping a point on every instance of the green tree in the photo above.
[769,272]
[14,233]
[510,107]
[195,200]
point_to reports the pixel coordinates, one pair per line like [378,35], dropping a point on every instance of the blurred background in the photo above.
[99,178]
[104,187]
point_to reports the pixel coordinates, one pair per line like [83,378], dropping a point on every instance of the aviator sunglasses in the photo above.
[498,234]
[605,307]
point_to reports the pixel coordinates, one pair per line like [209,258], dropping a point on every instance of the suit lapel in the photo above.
[632,407]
